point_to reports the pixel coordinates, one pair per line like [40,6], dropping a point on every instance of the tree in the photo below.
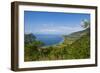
[85,23]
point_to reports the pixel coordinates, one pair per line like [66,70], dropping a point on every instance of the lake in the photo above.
[48,39]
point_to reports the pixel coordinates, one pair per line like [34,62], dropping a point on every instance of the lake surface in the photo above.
[49,40]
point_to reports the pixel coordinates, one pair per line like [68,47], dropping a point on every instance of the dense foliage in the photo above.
[71,48]
[31,47]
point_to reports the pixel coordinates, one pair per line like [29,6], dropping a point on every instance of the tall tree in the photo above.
[85,23]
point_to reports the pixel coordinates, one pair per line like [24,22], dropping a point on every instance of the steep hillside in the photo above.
[79,33]
[29,38]
[69,39]
[80,48]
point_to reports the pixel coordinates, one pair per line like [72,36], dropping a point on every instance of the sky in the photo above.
[53,22]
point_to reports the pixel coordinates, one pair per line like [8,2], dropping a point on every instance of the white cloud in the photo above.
[57,30]
[49,30]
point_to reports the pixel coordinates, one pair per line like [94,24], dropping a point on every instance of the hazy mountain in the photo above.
[29,38]
[77,35]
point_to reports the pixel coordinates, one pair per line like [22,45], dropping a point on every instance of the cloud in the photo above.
[48,30]
[57,30]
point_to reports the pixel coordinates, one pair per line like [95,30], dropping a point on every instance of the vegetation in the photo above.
[79,49]
[29,38]
[71,48]
[31,47]
[85,24]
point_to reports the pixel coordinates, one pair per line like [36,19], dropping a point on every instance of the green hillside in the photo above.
[69,39]
[69,49]
[80,48]
[79,33]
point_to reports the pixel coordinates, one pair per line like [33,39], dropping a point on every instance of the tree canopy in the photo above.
[85,23]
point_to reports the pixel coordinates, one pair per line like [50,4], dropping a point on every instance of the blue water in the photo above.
[49,40]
